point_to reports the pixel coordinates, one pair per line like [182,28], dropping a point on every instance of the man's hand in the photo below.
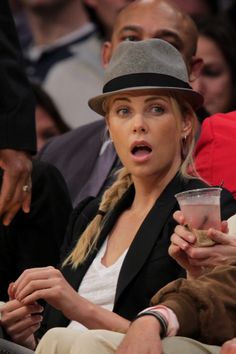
[143,337]
[17,167]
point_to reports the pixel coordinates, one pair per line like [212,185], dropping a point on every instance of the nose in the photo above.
[139,124]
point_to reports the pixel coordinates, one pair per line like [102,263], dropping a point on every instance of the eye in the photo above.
[211,72]
[157,109]
[123,111]
[132,37]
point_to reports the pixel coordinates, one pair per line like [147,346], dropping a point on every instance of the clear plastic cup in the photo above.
[201,209]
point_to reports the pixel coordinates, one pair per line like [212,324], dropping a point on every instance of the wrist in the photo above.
[158,317]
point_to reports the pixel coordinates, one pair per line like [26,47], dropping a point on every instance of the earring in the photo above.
[183,147]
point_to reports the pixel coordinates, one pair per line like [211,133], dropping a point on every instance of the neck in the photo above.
[49,27]
[148,190]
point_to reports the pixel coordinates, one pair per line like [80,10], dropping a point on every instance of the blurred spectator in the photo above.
[21,22]
[49,122]
[104,13]
[215,153]
[217,81]
[62,30]
[231,12]
[197,8]
[81,75]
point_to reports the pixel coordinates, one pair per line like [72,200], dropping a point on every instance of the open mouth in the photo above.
[141,150]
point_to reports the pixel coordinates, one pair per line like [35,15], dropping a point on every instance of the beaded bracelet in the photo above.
[159,317]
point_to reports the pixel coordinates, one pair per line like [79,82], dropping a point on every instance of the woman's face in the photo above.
[46,128]
[214,81]
[146,134]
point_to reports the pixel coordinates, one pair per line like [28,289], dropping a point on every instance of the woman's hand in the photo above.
[21,322]
[48,284]
[197,259]
[142,337]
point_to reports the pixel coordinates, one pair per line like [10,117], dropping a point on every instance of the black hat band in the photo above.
[144,79]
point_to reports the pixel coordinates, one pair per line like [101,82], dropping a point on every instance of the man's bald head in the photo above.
[144,19]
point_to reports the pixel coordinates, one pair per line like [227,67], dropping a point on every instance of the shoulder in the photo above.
[74,138]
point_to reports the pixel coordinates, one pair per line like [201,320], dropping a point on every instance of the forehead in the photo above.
[153,17]
[139,95]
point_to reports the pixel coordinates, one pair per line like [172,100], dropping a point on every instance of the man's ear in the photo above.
[106,53]
[196,66]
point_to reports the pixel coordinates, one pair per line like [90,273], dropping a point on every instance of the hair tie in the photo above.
[101,212]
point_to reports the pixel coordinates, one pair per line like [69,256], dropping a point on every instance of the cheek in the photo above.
[220,87]
[169,140]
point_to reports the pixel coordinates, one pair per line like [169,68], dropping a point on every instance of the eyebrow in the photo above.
[130,28]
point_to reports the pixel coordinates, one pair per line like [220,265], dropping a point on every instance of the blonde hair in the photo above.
[88,240]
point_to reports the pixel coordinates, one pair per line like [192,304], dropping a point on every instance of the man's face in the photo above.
[154,19]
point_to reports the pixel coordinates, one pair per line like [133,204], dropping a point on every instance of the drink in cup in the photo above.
[201,209]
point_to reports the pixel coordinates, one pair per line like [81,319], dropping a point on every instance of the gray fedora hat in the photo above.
[144,65]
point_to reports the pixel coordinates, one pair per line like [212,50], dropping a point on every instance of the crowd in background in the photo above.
[66,46]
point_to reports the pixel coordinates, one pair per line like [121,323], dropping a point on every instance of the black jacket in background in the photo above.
[17,123]
[35,239]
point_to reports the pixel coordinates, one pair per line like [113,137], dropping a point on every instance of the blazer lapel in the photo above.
[146,237]
[75,276]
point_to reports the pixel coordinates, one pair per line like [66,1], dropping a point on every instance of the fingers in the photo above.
[179,217]
[33,273]
[31,285]
[35,290]
[22,322]
[221,238]
[17,168]
[14,311]
[23,336]
[224,227]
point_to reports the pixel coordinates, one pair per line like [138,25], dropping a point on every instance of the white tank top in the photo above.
[99,283]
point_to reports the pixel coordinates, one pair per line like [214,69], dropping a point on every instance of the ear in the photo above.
[106,53]
[187,125]
[108,127]
[196,66]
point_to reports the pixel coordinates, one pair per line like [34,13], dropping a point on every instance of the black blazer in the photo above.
[17,124]
[147,266]
[35,239]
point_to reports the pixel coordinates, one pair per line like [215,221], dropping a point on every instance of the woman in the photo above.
[49,122]
[121,257]
[217,81]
